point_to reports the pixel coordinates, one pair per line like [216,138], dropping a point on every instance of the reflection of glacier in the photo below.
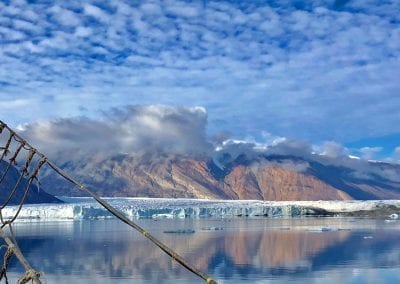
[244,250]
[85,208]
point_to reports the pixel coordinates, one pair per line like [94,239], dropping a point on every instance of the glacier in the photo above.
[156,208]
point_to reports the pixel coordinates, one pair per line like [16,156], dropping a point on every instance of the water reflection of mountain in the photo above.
[228,253]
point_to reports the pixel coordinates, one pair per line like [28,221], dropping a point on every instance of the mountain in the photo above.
[265,177]
[35,195]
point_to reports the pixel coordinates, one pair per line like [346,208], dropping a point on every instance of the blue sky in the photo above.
[312,70]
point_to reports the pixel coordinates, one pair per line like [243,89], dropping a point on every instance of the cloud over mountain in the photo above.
[158,134]
[134,129]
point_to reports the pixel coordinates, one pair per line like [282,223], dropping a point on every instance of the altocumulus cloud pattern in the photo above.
[316,70]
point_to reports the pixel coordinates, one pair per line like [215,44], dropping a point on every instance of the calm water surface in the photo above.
[244,251]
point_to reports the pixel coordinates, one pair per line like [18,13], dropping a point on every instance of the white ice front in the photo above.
[86,208]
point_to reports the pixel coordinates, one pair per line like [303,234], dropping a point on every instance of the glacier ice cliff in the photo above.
[86,208]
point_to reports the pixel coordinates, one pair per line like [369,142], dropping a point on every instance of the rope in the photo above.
[126,220]
[7,256]
[17,252]
[29,274]
[24,171]
[7,146]
[12,161]
[31,179]
[11,243]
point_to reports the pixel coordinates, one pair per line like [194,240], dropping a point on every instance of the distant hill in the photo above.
[263,177]
[7,185]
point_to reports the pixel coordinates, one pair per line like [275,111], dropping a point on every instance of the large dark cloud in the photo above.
[130,130]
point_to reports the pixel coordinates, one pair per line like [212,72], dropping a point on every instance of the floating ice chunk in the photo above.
[322,229]
[326,229]
[212,229]
[183,231]
[182,214]
[162,216]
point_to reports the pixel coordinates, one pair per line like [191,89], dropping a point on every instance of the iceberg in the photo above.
[136,208]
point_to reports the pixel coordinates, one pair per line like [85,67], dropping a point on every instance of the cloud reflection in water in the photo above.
[105,251]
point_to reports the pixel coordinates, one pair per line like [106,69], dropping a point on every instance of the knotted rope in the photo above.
[28,276]
[7,256]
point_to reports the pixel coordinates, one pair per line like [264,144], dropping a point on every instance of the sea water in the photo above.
[231,250]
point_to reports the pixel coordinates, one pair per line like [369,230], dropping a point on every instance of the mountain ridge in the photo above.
[265,177]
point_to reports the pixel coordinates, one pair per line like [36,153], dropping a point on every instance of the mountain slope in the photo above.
[263,178]
[275,183]
[7,185]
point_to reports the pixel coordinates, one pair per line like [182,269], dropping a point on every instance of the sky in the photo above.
[324,72]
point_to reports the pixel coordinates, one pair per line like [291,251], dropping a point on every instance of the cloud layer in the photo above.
[131,130]
[317,70]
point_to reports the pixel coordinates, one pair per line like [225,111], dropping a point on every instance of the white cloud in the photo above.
[64,16]
[368,153]
[132,130]
[397,152]
[332,149]
[14,105]
[10,34]
[297,73]
[151,9]
[184,10]
[83,31]
[96,12]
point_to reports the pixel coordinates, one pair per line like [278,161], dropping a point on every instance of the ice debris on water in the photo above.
[322,229]
[392,218]
[181,231]
[212,229]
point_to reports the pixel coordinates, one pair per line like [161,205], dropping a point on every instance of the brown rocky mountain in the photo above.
[262,178]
